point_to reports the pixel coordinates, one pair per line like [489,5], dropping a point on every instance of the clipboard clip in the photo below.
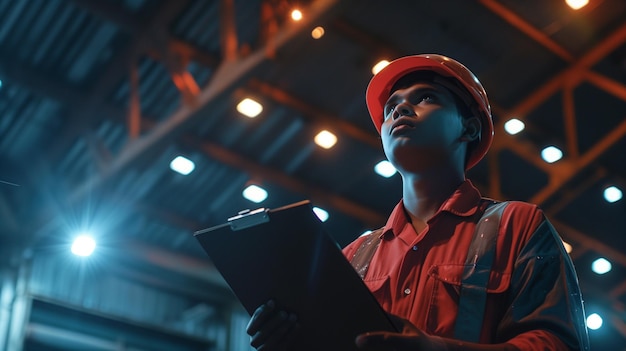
[247,218]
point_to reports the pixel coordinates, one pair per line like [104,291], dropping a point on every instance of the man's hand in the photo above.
[410,338]
[270,328]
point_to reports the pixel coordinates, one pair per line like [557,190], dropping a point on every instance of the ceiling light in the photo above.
[514,126]
[321,214]
[551,154]
[594,321]
[317,32]
[83,245]
[249,107]
[254,193]
[577,4]
[325,139]
[379,66]
[296,15]
[568,247]
[365,232]
[601,266]
[182,165]
[385,168]
[612,194]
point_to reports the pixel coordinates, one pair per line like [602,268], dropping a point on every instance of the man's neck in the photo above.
[423,194]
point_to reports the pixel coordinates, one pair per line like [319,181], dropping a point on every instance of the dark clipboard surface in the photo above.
[286,255]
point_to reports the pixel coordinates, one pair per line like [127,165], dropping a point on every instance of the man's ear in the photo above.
[471,129]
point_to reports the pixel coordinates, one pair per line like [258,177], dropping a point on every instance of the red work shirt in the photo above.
[533,301]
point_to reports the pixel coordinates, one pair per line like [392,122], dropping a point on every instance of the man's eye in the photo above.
[389,109]
[427,98]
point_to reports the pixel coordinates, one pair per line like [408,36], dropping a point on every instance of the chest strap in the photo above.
[473,293]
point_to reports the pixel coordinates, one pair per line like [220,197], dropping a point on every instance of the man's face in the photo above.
[422,127]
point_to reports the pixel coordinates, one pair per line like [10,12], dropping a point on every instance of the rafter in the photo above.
[223,81]
[516,21]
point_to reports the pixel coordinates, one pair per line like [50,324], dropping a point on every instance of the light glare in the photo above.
[83,245]
[612,194]
[551,154]
[601,266]
[321,214]
[182,165]
[317,32]
[514,126]
[379,66]
[255,193]
[249,108]
[385,169]
[594,321]
[577,4]
[296,15]
[325,139]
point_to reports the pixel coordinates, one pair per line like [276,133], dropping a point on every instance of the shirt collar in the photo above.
[463,202]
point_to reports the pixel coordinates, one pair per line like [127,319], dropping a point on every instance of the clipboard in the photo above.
[284,254]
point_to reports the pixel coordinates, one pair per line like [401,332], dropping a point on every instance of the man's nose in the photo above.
[403,109]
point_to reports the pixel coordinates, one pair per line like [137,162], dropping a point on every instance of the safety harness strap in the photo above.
[480,256]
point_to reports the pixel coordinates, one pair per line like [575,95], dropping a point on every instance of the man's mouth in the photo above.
[401,125]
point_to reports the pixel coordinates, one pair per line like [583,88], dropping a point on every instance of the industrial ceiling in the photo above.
[98,96]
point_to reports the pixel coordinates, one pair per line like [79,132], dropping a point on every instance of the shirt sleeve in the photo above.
[545,307]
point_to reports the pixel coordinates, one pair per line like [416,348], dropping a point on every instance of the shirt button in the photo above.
[407,291]
[415,248]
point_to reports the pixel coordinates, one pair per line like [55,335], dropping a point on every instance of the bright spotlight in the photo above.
[296,15]
[321,214]
[612,194]
[568,247]
[83,245]
[325,139]
[594,321]
[249,107]
[379,66]
[317,32]
[551,154]
[255,193]
[514,126]
[577,4]
[385,169]
[182,165]
[601,266]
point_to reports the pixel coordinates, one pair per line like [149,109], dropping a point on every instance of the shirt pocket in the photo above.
[380,288]
[446,281]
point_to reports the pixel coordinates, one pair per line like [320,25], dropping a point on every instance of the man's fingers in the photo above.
[269,329]
[282,337]
[260,316]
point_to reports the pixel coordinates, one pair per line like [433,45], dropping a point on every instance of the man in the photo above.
[450,281]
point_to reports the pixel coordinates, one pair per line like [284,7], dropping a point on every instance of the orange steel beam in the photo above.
[315,113]
[610,43]
[228,31]
[526,28]
[569,168]
[611,86]
[589,242]
[569,117]
[318,195]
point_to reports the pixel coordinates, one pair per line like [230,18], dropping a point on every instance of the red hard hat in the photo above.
[379,90]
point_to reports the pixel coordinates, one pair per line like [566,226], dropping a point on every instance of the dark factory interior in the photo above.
[99,97]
